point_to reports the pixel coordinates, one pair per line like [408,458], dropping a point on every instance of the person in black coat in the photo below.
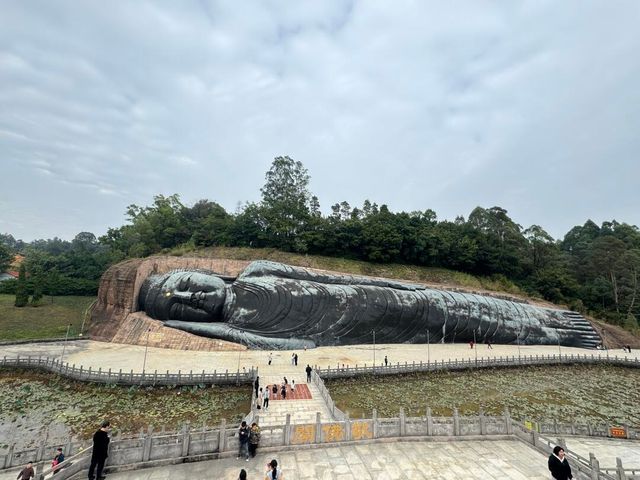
[100,450]
[559,465]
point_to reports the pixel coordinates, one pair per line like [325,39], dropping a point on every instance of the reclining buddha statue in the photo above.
[275,306]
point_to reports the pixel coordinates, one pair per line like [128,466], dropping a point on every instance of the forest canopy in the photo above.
[594,268]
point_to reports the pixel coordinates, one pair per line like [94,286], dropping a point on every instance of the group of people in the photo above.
[294,358]
[273,472]
[99,455]
[249,438]
[56,464]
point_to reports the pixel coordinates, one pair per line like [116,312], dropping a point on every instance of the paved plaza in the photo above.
[94,354]
[486,460]
[491,459]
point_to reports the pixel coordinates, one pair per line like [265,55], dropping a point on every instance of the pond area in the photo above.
[36,405]
[580,393]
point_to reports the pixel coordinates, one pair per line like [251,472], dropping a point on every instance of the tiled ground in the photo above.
[483,460]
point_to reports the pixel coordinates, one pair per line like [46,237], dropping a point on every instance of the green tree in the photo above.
[285,205]
[631,322]
[209,223]
[160,226]
[37,291]
[6,257]
[604,258]
[22,297]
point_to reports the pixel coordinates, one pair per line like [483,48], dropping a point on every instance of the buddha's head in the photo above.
[183,295]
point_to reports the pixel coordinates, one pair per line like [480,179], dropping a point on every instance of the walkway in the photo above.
[482,460]
[606,450]
[301,411]
[126,357]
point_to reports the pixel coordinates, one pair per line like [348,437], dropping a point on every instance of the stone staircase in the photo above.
[301,411]
[576,322]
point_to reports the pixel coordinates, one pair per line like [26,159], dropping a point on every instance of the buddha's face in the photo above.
[188,296]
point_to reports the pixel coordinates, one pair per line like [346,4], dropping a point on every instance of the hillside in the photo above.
[437,277]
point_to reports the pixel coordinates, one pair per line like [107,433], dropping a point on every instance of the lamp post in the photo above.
[518,340]
[146,347]
[428,349]
[374,351]
[475,346]
[559,349]
[238,375]
[64,345]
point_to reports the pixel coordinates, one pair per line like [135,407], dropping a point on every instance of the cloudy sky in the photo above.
[532,106]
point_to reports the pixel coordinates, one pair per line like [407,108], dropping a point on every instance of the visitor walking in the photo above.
[254,439]
[471,344]
[270,357]
[274,390]
[386,361]
[243,475]
[286,382]
[27,472]
[100,450]
[295,359]
[265,401]
[559,465]
[273,471]
[293,386]
[489,347]
[308,370]
[283,391]
[256,385]
[243,436]
[57,460]
[260,399]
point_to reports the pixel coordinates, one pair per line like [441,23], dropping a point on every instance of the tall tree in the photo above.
[22,297]
[285,202]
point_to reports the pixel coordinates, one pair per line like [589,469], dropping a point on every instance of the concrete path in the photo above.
[434,460]
[126,357]
[606,450]
[482,460]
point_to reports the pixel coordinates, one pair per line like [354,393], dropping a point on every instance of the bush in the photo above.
[9,287]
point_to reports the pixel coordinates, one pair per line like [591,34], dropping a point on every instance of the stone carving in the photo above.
[276,306]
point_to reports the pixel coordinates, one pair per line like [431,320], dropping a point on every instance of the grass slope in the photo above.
[45,321]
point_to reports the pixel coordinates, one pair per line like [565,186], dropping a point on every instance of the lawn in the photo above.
[583,393]
[34,405]
[50,319]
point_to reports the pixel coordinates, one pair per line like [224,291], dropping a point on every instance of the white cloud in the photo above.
[531,106]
